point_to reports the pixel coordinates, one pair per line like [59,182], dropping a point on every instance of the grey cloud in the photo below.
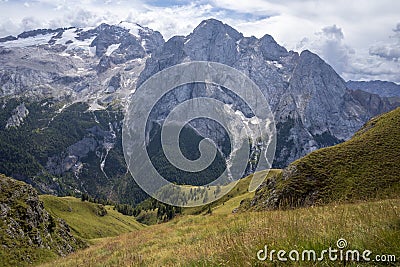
[333,49]
[378,71]
[333,32]
[336,54]
[30,23]
[329,44]
[389,52]
[397,29]
[7,27]
[80,18]
[303,43]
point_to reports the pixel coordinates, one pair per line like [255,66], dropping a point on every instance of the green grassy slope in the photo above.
[234,239]
[224,204]
[231,200]
[88,220]
[364,167]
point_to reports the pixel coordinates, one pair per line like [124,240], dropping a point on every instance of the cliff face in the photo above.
[28,233]
[381,88]
[313,107]
[364,167]
[374,103]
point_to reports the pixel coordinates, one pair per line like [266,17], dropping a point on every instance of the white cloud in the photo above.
[329,44]
[388,50]
[170,21]
[370,63]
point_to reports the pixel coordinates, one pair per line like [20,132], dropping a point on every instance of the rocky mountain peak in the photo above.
[310,66]
[313,107]
[98,65]
[212,28]
[130,39]
[18,116]
[270,49]
[213,40]
[308,57]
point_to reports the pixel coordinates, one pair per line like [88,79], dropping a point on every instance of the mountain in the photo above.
[63,93]
[28,233]
[364,167]
[374,103]
[94,65]
[381,88]
[377,96]
[67,150]
[312,105]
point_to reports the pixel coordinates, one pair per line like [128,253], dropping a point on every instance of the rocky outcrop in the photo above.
[97,141]
[374,103]
[362,168]
[18,116]
[315,104]
[26,226]
[381,88]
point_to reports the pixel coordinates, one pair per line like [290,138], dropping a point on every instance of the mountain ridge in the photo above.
[307,113]
[362,168]
[87,75]
[381,88]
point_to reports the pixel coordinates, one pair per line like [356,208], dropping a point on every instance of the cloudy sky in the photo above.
[360,39]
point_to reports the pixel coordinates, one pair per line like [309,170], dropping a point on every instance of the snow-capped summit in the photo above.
[97,64]
[133,28]
[95,41]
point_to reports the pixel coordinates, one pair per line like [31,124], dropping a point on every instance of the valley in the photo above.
[230,231]
[68,196]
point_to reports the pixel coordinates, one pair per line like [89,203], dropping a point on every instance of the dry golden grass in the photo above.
[225,239]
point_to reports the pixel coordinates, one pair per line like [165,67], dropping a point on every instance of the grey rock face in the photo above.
[312,105]
[381,88]
[18,116]
[316,103]
[374,103]
[98,141]
[114,84]
[77,64]
[27,223]
[213,41]
[270,49]
[129,46]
